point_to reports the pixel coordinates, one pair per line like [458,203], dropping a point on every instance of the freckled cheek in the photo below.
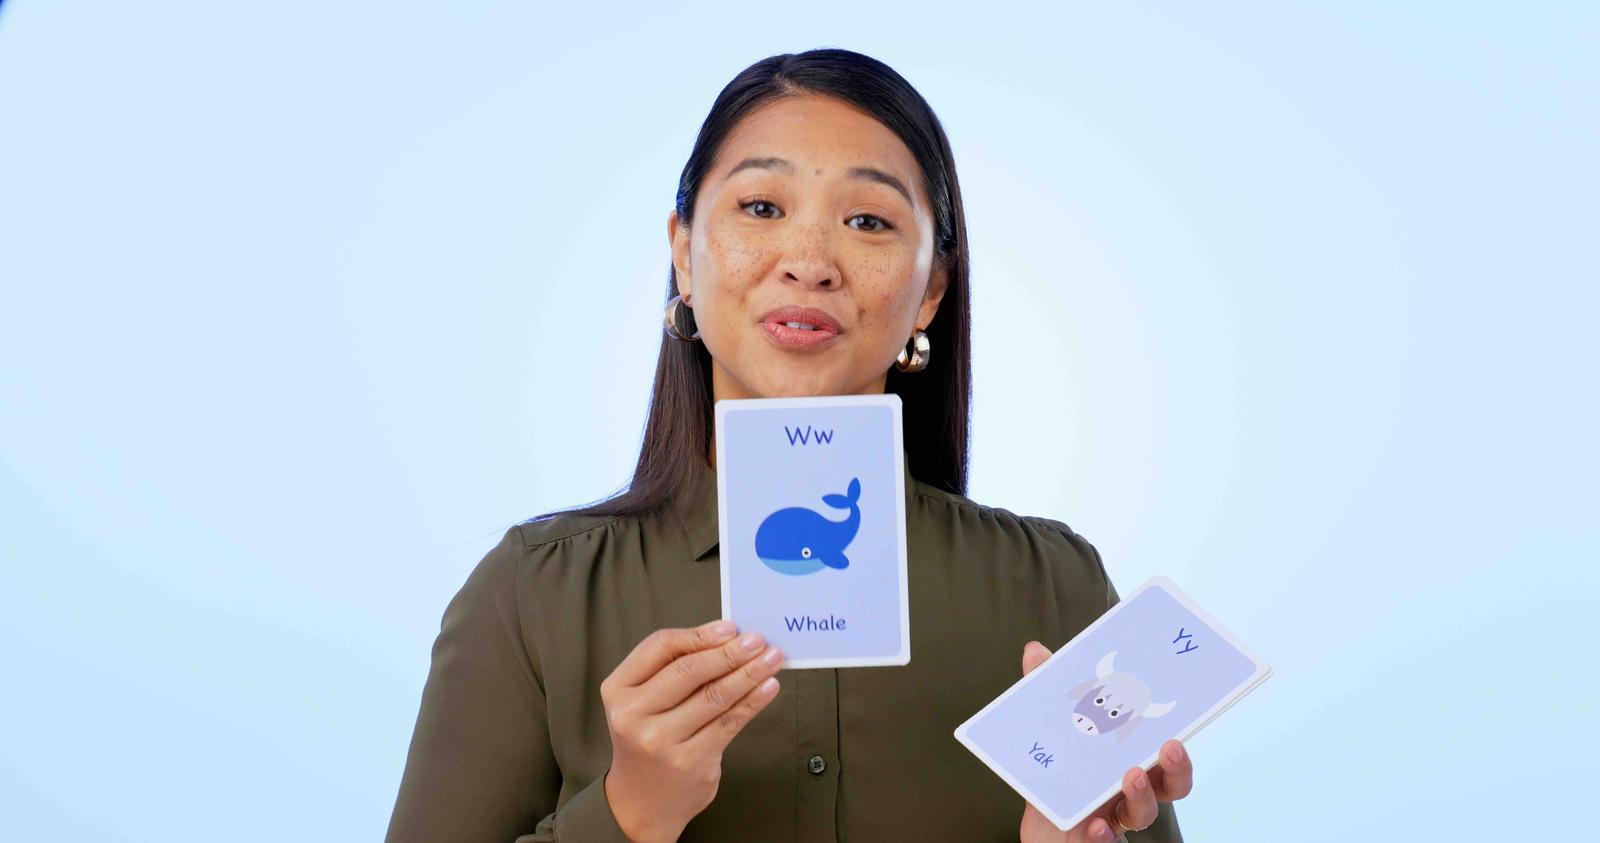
[727,269]
[733,261]
[888,300]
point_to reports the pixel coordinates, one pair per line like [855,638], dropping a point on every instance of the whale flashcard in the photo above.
[811,515]
[1153,667]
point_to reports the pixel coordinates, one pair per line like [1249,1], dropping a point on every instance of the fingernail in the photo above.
[1175,752]
[773,656]
[768,685]
[1103,832]
[751,640]
[721,628]
[1140,783]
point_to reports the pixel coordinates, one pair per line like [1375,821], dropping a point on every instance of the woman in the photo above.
[581,688]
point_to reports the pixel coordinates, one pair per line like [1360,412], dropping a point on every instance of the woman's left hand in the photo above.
[1134,808]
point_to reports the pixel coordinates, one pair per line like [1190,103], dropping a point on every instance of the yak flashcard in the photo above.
[1153,667]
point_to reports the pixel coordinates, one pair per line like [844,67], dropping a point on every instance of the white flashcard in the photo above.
[1153,667]
[812,521]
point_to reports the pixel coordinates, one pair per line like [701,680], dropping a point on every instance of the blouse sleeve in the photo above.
[480,767]
[1112,598]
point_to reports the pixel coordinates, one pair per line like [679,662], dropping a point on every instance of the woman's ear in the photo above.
[678,241]
[938,281]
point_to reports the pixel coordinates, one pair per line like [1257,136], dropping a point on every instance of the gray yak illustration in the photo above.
[1113,701]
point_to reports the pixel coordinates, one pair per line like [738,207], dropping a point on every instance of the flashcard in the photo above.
[812,520]
[1153,667]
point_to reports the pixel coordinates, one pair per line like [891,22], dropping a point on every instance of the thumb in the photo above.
[1033,655]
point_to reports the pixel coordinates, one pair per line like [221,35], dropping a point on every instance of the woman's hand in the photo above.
[1134,808]
[672,706]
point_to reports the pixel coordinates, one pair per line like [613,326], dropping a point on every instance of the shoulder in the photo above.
[1001,517]
[558,527]
[1012,531]
[529,558]
[486,602]
[563,548]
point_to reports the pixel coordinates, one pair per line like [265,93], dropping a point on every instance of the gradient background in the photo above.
[304,303]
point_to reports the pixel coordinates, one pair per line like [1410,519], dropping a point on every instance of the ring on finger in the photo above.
[1116,815]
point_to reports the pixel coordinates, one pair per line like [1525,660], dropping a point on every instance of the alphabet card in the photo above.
[1153,667]
[811,511]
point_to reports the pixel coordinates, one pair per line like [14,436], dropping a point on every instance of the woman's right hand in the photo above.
[672,706]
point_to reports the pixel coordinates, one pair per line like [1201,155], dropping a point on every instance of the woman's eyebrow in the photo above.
[866,173]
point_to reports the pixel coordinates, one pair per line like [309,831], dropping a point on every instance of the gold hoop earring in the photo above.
[917,359]
[677,315]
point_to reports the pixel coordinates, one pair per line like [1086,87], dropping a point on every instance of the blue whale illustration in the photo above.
[798,541]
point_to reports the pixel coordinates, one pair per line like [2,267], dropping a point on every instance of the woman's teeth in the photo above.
[801,325]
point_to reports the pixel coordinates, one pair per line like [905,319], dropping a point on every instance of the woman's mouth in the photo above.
[798,335]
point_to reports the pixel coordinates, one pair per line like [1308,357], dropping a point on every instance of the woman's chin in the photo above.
[801,384]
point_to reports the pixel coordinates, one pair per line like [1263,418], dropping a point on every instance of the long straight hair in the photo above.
[935,401]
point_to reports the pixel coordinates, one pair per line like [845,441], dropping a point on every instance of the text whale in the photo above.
[797,541]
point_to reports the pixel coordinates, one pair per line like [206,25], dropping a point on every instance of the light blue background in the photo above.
[766,473]
[1085,765]
[301,304]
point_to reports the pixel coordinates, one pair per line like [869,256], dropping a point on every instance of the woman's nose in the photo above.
[808,257]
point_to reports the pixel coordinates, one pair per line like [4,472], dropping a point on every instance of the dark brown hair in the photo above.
[936,400]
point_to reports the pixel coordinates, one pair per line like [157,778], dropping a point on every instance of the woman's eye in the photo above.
[754,202]
[755,205]
[879,224]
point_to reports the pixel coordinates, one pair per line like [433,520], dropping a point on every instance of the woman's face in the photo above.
[804,208]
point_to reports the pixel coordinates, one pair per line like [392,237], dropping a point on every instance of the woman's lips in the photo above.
[797,338]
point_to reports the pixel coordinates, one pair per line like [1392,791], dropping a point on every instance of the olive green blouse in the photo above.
[511,742]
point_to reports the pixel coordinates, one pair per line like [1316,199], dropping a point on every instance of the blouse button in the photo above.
[816,765]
